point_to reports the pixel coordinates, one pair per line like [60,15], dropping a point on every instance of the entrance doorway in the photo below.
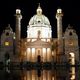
[38,55]
[38,58]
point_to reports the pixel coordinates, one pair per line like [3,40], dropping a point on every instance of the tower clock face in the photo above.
[6,43]
[71,43]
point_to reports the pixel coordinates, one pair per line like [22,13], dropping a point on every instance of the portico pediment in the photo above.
[38,43]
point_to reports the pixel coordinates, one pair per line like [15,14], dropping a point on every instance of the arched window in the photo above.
[7,34]
[70,33]
[39,33]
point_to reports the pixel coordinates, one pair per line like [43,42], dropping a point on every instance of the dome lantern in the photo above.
[39,10]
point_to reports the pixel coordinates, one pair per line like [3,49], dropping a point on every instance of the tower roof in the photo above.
[70,28]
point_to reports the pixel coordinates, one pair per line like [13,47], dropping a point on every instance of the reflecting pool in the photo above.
[58,73]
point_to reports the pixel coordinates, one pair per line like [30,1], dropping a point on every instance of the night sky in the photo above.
[71,11]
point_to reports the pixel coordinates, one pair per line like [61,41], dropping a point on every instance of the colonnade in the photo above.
[44,54]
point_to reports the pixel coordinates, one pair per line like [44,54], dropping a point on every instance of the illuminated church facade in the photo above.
[39,46]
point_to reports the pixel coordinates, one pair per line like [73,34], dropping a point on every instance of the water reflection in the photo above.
[72,73]
[59,73]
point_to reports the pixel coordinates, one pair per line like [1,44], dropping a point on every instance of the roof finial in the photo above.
[39,10]
[38,5]
[8,25]
[9,28]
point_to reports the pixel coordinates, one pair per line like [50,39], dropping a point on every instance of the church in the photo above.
[39,46]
